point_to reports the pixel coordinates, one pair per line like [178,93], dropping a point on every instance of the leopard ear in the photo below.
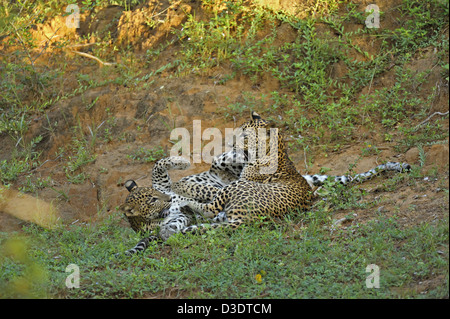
[255,116]
[130,185]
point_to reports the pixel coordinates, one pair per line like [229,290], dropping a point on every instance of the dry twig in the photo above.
[429,118]
[90,56]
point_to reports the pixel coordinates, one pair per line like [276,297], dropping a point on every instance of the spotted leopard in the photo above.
[207,184]
[269,185]
[156,209]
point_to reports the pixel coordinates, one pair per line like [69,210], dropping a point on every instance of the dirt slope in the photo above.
[116,119]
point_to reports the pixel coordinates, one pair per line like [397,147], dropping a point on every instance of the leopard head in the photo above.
[144,204]
[254,134]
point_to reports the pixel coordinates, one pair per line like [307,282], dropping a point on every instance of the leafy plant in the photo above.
[147,155]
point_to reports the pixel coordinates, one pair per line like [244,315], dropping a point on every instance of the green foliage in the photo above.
[80,154]
[309,262]
[22,160]
[11,169]
[147,155]
[420,24]
[22,276]
[399,102]
[321,103]
[304,63]
[208,43]
[341,196]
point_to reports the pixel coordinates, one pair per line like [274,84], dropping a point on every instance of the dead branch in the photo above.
[430,117]
[90,56]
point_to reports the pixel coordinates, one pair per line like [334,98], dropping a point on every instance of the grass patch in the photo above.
[323,107]
[292,262]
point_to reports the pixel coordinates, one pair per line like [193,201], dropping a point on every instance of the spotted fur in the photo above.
[232,193]
[149,211]
[257,193]
[156,210]
[318,180]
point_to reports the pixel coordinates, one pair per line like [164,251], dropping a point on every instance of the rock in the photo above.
[412,156]
[438,157]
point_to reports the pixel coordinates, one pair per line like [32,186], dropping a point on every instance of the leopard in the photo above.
[270,185]
[237,184]
[224,169]
[149,208]
[155,210]
[148,211]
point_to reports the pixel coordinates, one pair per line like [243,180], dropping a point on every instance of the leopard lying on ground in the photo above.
[156,209]
[269,185]
[171,218]
[148,211]
[257,193]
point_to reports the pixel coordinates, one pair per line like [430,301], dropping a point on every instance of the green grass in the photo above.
[325,109]
[293,262]
[147,155]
